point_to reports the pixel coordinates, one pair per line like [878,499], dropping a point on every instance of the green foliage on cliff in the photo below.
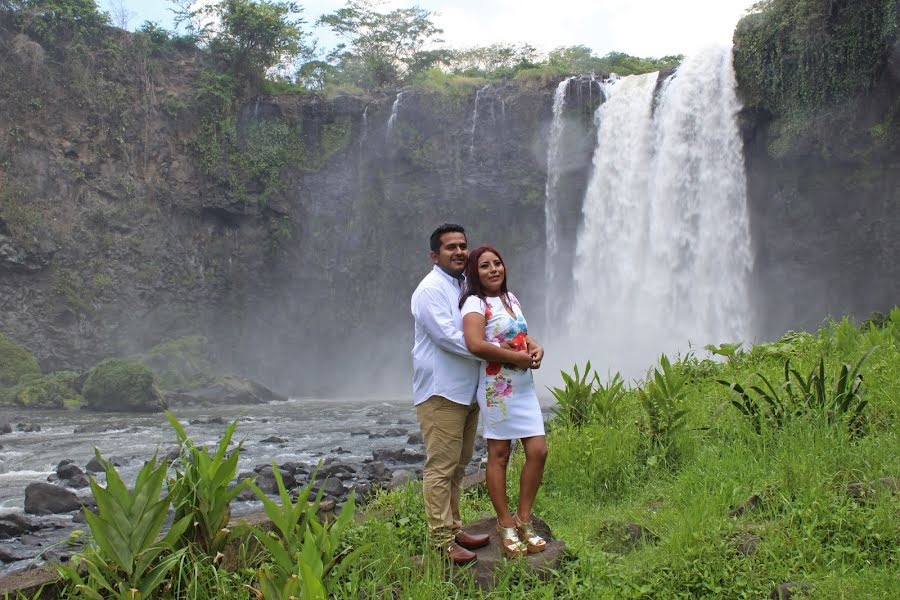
[580,59]
[119,384]
[15,361]
[800,55]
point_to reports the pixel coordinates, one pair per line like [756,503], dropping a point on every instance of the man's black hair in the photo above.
[445,228]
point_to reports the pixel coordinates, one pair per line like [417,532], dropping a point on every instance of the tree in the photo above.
[389,45]
[496,59]
[250,36]
[53,21]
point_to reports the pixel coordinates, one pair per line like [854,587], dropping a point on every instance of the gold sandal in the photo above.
[532,540]
[510,543]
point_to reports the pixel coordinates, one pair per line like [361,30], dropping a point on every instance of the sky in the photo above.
[639,27]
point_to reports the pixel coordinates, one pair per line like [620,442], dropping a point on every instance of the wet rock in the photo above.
[376,470]
[5,428]
[295,467]
[15,554]
[360,432]
[210,421]
[339,470]
[363,489]
[172,454]
[415,438]
[339,450]
[28,427]
[15,525]
[398,455]
[622,537]
[273,439]
[332,486]
[405,422]
[97,428]
[78,482]
[327,505]
[227,389]
[789,589]
[383,421]
[67,470]
[481,444]
[395,432]
[47,499]
[752,503]
[401,477]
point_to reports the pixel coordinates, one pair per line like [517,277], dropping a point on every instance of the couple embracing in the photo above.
[472,355]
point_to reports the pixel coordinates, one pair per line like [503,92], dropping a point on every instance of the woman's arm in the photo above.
[473,331]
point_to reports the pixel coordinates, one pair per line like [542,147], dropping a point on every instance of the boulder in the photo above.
[415,438]
[47,499]
[118,384]
[399,455]
[622,537]
[332,486]
[226,389]
[5,428]
[376,470]
[16,525]
[401,477]
[273,439]
[360,432]
[67,470]
[28,427]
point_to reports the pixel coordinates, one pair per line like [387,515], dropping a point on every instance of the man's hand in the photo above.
[536,351]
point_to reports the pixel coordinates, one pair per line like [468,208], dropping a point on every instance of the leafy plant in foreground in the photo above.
[662,399]
[574,401]
[307,557]
[127,560]
[803,395]
[607,400]
[200,488]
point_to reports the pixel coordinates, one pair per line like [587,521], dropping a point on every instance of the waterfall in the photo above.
[551,202]
[393,118]
[475,120]
[365,126]
[663,255]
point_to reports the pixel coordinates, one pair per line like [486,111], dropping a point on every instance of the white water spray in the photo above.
[663,256]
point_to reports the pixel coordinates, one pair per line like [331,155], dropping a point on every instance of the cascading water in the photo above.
[551,203]
[393,118]
[663,256]
[475,120]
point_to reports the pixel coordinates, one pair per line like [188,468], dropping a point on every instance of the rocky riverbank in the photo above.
[357,447]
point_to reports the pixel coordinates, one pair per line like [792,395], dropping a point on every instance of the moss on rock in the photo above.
[55,390]
[119,384]
[15,362]
[180,364]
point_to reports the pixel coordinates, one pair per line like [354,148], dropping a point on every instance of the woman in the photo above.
[492,315]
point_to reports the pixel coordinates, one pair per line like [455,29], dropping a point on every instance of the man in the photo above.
[445,375]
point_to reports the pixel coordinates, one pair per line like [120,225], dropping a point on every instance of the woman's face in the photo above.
[491,273]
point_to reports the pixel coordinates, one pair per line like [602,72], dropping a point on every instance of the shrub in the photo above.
[180,364]
[118,384]
[15,361]
[50,391]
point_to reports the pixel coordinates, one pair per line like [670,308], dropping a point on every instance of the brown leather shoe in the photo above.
[459,555]
[472,541]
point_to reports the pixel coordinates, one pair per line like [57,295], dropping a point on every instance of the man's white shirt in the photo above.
[442,363]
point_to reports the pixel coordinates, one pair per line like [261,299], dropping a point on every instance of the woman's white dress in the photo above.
[506,395]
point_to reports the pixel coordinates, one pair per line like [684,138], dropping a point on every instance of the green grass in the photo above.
[604,473]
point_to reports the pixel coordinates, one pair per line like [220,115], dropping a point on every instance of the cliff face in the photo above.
[119,229]
[821,82]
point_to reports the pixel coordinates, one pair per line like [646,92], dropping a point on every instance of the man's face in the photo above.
[452,255]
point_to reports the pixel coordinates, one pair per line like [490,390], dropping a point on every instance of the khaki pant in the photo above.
[448,430]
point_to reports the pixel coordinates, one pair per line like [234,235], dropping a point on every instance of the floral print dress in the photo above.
[506,394]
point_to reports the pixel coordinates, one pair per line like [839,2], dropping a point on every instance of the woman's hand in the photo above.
[523,360]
